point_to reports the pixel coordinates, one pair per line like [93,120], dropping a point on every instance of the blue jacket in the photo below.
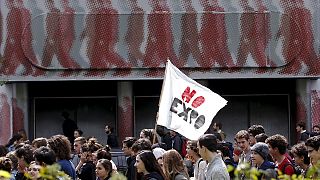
[267,165]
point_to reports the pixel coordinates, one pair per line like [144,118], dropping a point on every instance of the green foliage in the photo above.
[118,176]
[4,175]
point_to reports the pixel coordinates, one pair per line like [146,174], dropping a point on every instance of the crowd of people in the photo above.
[163,154]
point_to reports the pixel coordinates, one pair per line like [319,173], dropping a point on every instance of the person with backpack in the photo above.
[200,164]
[277,147]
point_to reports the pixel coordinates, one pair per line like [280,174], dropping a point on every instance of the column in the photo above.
[125,110]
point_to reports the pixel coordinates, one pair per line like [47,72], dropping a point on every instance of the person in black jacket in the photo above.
[112,138]
[86,169]
[303,134]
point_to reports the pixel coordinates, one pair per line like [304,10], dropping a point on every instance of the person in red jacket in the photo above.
[277,148]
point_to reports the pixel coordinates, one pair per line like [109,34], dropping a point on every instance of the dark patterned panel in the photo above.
[133,39]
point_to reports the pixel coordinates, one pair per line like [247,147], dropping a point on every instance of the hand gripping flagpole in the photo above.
[155,126]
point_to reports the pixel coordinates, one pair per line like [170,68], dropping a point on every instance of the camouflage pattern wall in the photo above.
[132,39]
[315,102]
[5,113]
[13,111]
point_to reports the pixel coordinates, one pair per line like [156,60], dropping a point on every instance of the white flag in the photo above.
[186,106]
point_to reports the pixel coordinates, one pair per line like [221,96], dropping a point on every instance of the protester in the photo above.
[34,171]
[85,169]
[5,164]
[147,164]
[315,130]
[313,145]
[199,164]
[176,141]
[14,160]
[39,142]
[14,142]
[253,131]
[242,139]
[77,133]
[44,156]
[25,157]
[127,150]
[62,148]
[216,169]
[75,157]
[103,169]
[303,134]
[277,147]
[111,137]
[259,156]
[301,158]
[103,153]
[173,166]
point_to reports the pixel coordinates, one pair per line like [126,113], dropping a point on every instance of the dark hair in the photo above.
[314,142]
[5,164]
[107,165]
[301,151]
[261,137]
[302,125]
[242,134]
[193,146]
[278,141]
[3,150]
[209,141]
[150,162]
[219,124]
[44,155]
[224,149]
[129,141]
[79,131]
[38,142]
[11,155]
[218,135]
[14,138]
[103,154]
[26,152]
[256,129]
[60,146]
[110,128]
[316,126]
[141,144]
[87,147]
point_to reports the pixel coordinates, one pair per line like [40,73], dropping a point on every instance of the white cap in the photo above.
[158,152]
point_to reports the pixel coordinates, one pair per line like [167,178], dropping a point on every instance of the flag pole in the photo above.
[155,126]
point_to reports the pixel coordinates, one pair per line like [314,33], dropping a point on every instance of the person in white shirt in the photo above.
[200,164]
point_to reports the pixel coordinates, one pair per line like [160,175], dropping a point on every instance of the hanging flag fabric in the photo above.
[186,106]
